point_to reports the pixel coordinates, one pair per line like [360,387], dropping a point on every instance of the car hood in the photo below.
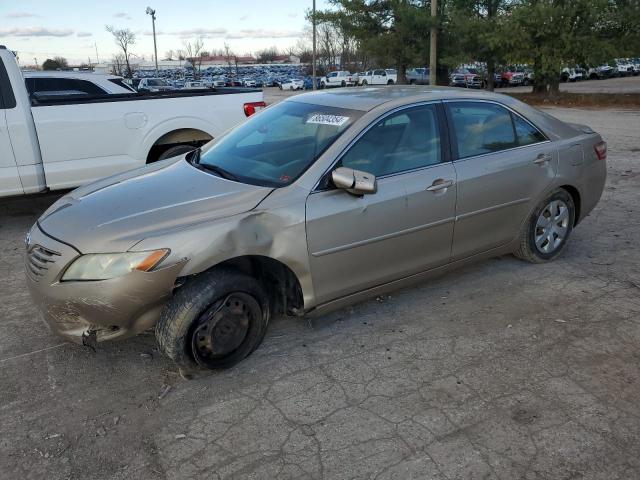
[113,214]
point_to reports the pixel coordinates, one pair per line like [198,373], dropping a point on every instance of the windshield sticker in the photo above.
[323,119]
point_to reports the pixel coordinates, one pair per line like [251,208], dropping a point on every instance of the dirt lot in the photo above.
[503,370]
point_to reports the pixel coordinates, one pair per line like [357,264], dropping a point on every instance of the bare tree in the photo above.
[124,38]
[228,55]
[268,55]
[117,64]
[169,54]
[194,49]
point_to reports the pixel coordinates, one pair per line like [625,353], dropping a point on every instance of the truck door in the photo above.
[9,177]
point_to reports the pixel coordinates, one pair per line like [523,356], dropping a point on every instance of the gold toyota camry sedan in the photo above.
[316,202]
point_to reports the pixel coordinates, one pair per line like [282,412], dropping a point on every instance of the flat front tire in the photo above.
[547,229]
[214,321]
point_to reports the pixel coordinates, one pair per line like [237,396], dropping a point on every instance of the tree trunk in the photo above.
[491,69]
[539,80]
[554,85]
[402,74]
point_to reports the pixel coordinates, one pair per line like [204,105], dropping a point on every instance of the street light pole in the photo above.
[152,12]
[313,60]
[433,59]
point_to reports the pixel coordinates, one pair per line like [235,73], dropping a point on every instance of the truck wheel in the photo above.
[175,151]
[343,84]
[214,321]
[364,83]
[546,231]
[390,82]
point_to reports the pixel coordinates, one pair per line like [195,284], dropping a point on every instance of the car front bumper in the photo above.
[109,309]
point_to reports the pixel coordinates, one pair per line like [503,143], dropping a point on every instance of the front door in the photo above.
[503,164]
[406,227]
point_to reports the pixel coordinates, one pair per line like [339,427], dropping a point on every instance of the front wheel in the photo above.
[214,321]
[547,230]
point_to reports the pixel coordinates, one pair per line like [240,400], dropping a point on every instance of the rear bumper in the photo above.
[115,308]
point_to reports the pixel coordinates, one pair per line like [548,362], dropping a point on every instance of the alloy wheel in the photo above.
[552,226]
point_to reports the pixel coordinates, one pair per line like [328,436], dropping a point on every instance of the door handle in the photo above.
[439,184]
[542,159]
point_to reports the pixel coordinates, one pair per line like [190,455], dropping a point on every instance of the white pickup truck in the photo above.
[60,142]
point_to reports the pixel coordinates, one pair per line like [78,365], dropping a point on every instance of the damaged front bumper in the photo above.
[93,310]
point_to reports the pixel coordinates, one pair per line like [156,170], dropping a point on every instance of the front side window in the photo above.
[481,128]
[405,140]
[276,146]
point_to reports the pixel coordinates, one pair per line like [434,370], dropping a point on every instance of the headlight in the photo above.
[102,266]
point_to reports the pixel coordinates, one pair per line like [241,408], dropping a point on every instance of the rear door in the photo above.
[406,227]
[9,177]
[503,164]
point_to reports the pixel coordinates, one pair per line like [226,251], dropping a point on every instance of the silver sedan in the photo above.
[316,202]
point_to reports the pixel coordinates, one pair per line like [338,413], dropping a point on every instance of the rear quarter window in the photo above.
[7,98]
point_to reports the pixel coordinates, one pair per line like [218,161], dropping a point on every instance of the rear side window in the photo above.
[120,83]
[7,99]
[481,128]
[60,85]
[403,141]
[526,133]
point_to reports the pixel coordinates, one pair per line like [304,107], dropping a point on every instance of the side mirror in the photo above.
[355,182]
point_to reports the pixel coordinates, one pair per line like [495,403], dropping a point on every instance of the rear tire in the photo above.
[214,321]
[175,151]
[547,229]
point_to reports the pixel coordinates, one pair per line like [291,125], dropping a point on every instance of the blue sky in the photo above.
[73,28]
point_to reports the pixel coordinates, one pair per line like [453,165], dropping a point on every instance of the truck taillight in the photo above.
[601,150]
[253,107]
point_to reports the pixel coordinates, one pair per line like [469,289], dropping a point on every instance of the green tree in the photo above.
[394,32]
[57,63]
[557,33]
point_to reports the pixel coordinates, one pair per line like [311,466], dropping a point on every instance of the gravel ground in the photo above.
[502,370]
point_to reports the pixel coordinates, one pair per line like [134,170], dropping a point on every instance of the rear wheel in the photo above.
[390,82]
[176,151]
[214,321]
[364,83]
[343,84]
[548,228]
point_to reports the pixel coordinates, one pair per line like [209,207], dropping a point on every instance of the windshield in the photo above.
[156,83]
[276,146]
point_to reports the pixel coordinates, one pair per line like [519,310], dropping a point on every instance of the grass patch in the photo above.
[581,100]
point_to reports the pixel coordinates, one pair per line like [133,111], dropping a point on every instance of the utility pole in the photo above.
[433,59]
[36,61]
[152,12]
[313,60]
[97,57]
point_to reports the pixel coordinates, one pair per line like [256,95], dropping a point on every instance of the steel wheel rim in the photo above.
[552,227]
[223,328]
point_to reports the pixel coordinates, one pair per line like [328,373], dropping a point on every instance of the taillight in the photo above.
[253,107]
[601,150]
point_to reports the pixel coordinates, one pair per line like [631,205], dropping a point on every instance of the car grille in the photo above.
[39,259]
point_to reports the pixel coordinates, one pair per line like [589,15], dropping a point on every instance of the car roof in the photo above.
[366,99]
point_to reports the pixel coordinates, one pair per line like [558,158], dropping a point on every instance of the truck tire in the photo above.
[364,83]
[214,321]
[175,151]
[390,82]
[547,229]
[343,83]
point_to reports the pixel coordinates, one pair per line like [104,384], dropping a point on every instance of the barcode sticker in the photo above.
[323,119]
